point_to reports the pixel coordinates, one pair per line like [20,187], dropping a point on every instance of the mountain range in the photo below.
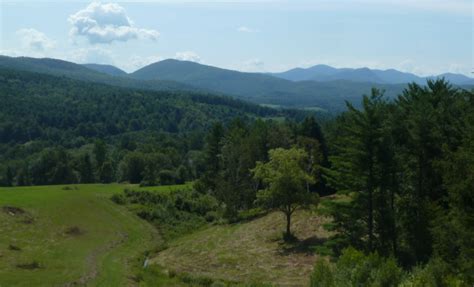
[317,88]
[323,73]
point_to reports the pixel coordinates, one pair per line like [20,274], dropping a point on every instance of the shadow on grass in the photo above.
[300,246]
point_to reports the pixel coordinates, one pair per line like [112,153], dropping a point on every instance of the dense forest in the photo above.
[58,130]
[400,171]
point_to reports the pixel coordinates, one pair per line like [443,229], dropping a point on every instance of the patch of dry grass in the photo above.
[250,252]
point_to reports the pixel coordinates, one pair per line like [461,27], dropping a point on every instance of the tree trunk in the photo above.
[394,226]
[370,207]
[288,223]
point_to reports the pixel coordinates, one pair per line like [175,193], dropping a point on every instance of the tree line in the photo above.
[50,128]
[405,174]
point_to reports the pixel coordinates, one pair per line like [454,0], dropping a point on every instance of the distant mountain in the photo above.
[339,86]
[71,70]
[106,69]
[244,85]
[263,88]
[324,73]
[457,79]
[300,74]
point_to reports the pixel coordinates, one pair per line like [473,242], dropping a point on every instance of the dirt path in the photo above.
[92,261]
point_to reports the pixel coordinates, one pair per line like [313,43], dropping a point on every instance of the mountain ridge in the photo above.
[259,88]
[323,73]
[106,69]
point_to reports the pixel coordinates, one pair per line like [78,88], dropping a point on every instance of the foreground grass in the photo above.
[251,252]
[67,235]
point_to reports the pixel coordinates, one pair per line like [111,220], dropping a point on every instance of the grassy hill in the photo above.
[69,235]
[251,252]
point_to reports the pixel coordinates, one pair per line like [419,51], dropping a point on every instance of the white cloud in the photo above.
[92,55]
[34,40]
[11,53]
[245,29]
[253,65]
[106,23]
[188,56]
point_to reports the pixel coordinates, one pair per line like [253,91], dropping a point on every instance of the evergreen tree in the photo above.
[428,119]
[357,169]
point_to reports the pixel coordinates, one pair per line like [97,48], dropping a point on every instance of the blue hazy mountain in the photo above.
[106,69]
[324,73]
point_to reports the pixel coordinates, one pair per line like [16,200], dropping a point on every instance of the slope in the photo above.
[71,70]
[262,88]
[106,69]
[250,252]
[69,235]
[324,73]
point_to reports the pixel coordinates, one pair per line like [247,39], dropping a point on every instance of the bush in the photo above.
[434,274]
[173,213]
[249,214]
[387,274]
[354,268]
[119,198]
[322,275]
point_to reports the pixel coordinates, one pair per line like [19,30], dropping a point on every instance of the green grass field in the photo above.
[251,252]
[70,235]
[74,235]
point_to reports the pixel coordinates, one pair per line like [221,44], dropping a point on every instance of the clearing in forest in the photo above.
[249,252]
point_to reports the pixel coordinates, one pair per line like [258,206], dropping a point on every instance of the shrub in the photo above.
[173,213]
[436,274]
[322,275]
[354,268]
[119,198]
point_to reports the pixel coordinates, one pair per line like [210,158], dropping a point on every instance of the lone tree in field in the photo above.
[285,178]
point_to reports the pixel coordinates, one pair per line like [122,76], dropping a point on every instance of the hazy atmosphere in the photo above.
[423,37]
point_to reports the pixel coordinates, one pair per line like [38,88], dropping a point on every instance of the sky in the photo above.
[425,37]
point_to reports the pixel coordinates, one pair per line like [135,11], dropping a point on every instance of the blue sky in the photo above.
[421,36]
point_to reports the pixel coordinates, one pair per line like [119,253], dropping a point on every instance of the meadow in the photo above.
[67,235]
[75,235]
[250,253]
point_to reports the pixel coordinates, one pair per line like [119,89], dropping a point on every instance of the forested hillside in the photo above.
[324,73]
[404,170]
[174,75]
[262,88]
[71,70]
[106,69]
[51,128]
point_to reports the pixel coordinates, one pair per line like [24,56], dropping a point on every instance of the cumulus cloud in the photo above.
[188,56]
[34,40]
[106,23]
[245,29]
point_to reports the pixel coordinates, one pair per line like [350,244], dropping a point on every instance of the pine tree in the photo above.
[428,122]
[357,169]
